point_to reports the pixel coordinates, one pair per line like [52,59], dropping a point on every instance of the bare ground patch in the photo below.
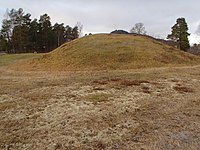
[183,89]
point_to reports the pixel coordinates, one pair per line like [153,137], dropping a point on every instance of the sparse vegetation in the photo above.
[98,97]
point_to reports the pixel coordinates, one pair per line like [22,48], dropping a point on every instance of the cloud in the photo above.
[97,16]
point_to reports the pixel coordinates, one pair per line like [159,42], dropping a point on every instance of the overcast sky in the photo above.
[103,16]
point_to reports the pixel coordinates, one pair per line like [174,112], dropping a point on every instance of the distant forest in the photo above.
[20,34]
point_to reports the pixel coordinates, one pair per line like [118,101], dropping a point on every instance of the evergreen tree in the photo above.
[180,34]
[68,33]
[75,33]
[46,33]
[59,31]
[6,34]
[20,34]
[34,35]
[3,44]
[15,30]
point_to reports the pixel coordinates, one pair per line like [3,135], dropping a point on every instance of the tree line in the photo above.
[20,34]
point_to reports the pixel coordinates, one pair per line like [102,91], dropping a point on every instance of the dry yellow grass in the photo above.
[147,109]
[139,109]
[8,59]
[108,51]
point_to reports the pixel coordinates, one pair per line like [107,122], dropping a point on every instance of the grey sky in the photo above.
[99,16]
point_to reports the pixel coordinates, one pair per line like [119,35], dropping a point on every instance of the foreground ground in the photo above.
[149,109]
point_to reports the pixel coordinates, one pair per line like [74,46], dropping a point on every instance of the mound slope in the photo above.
[110,51]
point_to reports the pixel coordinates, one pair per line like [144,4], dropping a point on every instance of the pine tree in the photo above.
[46,33]
[180,34]
[34,35]
[75,33]
[68,33]
[3,44]
[15,30]
[6,34]
[59,31]
[20,34]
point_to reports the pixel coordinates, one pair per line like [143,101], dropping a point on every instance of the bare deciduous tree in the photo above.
[139,29]
[198,30]
[80,28]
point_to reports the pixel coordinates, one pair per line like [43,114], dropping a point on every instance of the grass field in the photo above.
[8,59]
[152,108]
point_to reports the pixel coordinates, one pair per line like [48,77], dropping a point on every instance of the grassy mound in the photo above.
[110,51]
